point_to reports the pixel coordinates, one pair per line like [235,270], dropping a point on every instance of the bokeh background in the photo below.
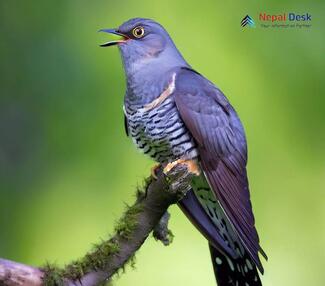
[66,166]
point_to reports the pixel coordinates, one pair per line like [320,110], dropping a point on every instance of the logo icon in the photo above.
[247,21]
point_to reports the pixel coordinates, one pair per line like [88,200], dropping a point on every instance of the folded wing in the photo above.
[222,148]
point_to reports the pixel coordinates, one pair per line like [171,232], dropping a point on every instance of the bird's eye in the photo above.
[138,32]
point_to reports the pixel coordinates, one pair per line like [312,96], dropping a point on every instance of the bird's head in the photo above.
[143,42]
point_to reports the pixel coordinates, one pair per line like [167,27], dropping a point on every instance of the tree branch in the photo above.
[148,213]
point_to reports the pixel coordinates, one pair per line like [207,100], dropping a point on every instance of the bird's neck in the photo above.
[149,77]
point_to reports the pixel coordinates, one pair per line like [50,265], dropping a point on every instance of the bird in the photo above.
[177,116]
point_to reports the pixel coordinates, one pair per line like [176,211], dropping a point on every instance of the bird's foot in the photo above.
[154,170]
[191,165]
[162,232]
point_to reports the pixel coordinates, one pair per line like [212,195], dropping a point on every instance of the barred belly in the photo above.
[160,132]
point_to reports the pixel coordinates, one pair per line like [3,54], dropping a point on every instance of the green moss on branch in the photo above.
[110,256]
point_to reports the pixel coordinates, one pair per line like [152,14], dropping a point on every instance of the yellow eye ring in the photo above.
[138,32]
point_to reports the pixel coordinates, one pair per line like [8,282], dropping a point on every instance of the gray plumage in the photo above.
[172,112]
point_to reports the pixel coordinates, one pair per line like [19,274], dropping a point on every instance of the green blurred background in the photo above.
[66,166]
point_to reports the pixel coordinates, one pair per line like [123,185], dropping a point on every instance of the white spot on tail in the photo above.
[218,261]
[231,265]
[245,269]
[249,264]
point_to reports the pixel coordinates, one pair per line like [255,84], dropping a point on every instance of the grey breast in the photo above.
[160,132]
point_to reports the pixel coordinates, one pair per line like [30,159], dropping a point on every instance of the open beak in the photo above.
[123,38]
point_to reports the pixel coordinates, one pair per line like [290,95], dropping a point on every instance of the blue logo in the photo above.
[247,21]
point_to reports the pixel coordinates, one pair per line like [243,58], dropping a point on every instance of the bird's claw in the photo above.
[154,170]
[191,165]
[179,174]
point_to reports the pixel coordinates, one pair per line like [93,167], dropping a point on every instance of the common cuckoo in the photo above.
[175,115]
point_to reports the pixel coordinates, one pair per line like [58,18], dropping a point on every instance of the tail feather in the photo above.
[234,272]
[233,265]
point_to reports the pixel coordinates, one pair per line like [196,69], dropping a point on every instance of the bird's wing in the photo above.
[221,142]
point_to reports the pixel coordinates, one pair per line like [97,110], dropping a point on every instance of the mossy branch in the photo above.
[148,213]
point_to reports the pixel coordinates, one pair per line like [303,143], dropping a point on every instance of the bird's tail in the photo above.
[238,272]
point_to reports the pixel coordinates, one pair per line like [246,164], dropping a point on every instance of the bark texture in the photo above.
[147,214]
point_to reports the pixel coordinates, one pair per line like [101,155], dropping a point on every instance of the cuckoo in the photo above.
[175,115]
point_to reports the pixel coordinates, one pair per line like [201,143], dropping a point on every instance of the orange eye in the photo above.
[138,32]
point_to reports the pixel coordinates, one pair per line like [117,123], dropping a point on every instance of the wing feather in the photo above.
[221,142]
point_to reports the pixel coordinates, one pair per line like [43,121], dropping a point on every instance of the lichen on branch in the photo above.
[108,257]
